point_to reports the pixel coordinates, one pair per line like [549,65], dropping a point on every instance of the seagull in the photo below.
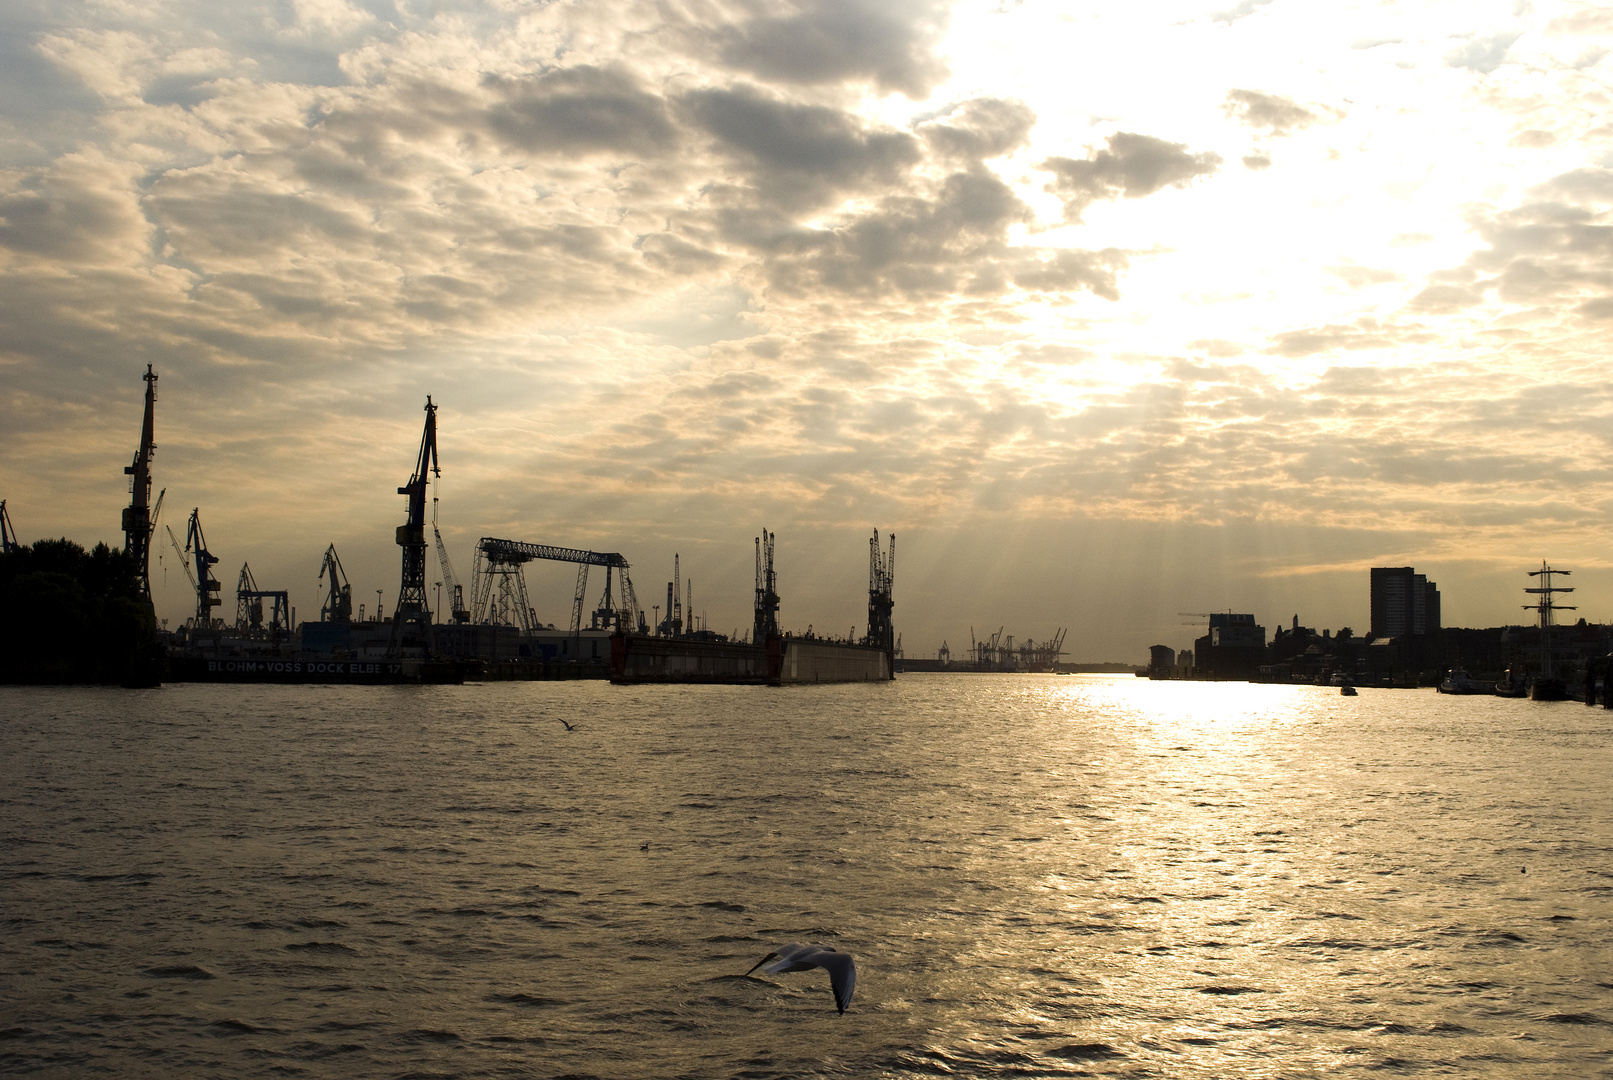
[842,970]
[569,727]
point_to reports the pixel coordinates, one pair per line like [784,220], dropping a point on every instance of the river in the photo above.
[1036,875]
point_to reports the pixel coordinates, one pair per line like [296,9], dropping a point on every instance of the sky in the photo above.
[1109,311]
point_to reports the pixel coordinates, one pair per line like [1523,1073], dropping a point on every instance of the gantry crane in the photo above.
[498,568]
[411,608]
[249,608]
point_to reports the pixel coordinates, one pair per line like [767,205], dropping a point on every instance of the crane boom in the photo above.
[456,591]
[183,562]
[8,534]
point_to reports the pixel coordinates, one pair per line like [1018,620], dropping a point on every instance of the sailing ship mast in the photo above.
[1545,606]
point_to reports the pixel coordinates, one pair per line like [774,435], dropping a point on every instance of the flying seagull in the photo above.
[842,970]
[569,727]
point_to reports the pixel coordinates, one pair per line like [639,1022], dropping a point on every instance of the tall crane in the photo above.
[338,606]
[411,606]
[138,522]
[8,534]
[881,573]
[207,586]
[767,599]
[456,591]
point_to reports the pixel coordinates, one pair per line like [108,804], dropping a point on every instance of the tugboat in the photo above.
[1512,683]
[1458,681]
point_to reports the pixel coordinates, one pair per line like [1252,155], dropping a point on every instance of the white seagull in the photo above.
[842,970]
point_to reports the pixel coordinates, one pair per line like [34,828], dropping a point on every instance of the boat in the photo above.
[1348,691]
[1547,686]
[1512,683]
[1458,681]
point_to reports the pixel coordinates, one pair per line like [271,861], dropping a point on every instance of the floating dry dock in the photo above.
[769,658]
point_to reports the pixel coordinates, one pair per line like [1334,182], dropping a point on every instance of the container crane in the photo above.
[338,606]
[207,586]
[411,607]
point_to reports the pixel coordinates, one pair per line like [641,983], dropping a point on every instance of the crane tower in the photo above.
[137,519]
[411,608]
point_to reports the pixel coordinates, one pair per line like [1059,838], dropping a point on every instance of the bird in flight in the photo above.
[569,727]
[841,968]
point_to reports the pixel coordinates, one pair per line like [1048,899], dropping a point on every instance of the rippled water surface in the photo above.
[1038,876]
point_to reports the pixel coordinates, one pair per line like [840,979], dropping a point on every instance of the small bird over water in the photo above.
[842,970]
[569,727]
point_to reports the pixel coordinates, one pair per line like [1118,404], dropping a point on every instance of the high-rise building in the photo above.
[1404,602]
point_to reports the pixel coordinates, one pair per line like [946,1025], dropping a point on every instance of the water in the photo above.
[1038,876]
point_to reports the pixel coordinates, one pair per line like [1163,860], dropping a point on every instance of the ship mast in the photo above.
[1545,606]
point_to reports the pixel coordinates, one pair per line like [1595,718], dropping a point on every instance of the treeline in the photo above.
[72,616]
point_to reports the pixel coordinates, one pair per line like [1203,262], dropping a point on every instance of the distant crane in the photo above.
[456,591]
[249,607]
[499,566]
[338,606]
[184,563]
[207,586]
[411,607]
[767,599]
[881,573]
[138,521]
[8,534]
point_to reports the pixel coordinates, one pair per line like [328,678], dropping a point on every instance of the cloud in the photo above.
[579,110]
[1256,162]
[1242,9]
[817,42]
[1132,166]
[1482,53]
[980,128]
[1276,115]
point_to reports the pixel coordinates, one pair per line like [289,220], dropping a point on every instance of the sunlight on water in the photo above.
[1038,876]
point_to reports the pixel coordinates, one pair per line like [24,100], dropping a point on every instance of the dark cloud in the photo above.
[83,208]
[980,128]
[813,42]
[955,240]
[581,109]
[1276,115]
[797,154]
[1132,166]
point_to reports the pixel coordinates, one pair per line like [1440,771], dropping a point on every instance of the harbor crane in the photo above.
[456,591]
[499,567]
[8,534]
[138,521]
[207,586]
[338,605]
[767,598]
[184,563]
[881,573]
[411,608]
